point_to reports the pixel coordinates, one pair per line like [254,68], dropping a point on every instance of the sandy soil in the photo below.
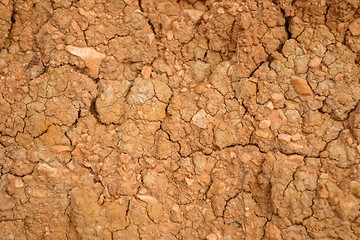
[164,119]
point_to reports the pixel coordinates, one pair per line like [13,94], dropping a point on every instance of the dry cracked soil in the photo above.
[187,119]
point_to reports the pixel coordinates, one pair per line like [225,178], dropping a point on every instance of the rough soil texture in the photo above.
[144,119]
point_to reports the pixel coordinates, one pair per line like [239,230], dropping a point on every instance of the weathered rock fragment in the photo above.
[91,58]
[301,86]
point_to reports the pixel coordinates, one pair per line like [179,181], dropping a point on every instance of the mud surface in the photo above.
[124,119]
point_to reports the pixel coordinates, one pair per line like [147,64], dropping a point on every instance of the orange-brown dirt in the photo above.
[165,119]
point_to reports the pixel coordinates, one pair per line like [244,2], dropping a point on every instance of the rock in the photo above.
[35,67]
[354,187]
[91,58]
[47,170]
[61,148]
[199,70]
[220,10]
[262,133]
[204,178]
[201,119]
[147,198]
[314,62]
[277,118]
[146,72]
[293,116]
[211,236]
[163,91]
[284,137]
[296,137]
[289,47]
[295,146]
[194,14]
[301,86]
[348,207]
[264,123]
[175,208]
[354,27]
[269,105]
[277,97]
[141,91]
[301,64]
[225,134]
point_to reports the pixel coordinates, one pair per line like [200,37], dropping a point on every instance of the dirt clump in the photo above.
[124,119]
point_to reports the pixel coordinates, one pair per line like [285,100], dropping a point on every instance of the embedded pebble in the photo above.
[315,62]
[91,58]
[301,86]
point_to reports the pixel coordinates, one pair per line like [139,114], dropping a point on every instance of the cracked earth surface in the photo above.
[144,119]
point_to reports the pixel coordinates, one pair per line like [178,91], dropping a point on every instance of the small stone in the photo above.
[264,123]
[245,158]
[348,207]
[293,116]
[93,158]
[91,58]
[124,158]
[35,67]
[150,38]
[146,72]
[61,148]
[323,192]
[277,97]
[314,62]
[269,105]
[301,64]
[204,178]
[211,236]
[338,77]
[262,133]
[60,47]
[355,188]
[319,73]
[175,208]
[189,181]
[354,27]
[296,137]
[147,198]
[284,137]
[295,146]
[170,35]
[233,155]
[277,119]
[301,86]
[220,10]
[199,70]
[18,183]
[194,14]
[200,89]
[47,170]
[201,119]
